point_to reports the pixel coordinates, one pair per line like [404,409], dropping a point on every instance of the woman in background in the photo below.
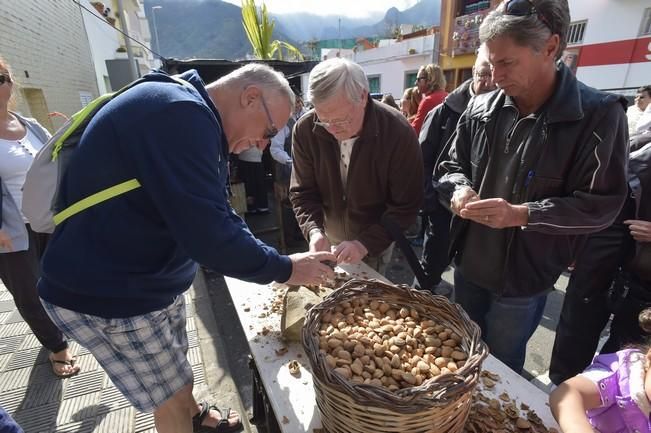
[20,247]
[431,83]
[409,102]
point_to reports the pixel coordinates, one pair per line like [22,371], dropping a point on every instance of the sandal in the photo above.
[71,363]
[222,426]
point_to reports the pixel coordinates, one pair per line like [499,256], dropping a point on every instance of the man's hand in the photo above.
[350,252]
[461,197]
[496,213]
[308,268]
[5,241]
[640,230]
[318,242]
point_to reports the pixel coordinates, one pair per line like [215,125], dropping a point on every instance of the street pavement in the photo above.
[89,402]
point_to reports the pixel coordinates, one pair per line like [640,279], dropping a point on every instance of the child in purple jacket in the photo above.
[611,396]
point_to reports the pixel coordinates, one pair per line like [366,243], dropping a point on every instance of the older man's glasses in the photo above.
[484,75]
[334,124]
[523,8]
[272,131]
[5,78]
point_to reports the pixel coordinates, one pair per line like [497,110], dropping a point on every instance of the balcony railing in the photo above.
[465,33]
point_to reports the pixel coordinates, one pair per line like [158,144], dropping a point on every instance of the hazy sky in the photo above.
[350,8]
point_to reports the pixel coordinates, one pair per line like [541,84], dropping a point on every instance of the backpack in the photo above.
[41,205]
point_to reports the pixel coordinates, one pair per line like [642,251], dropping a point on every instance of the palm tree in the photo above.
[259,29]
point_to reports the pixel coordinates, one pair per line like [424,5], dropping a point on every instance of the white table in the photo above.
[292,398]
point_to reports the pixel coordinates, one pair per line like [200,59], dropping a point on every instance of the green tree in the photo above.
[259,29]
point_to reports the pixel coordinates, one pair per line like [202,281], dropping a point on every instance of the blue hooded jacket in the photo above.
[135,253]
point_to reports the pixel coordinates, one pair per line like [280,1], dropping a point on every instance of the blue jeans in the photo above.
[506,323]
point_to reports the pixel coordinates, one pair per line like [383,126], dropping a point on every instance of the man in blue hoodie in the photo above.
[114,274]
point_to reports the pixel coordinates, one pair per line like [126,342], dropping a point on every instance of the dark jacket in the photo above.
[639,181]
[434,138]
[572,177]
[135,253]
[385,176]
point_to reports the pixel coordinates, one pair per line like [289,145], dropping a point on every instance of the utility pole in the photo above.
[154,9]
[339,35]
[127,42]
[436,48]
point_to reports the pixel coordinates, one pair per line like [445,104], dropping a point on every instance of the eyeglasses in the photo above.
[5,78]
[271,133]
[484,75]
[421,78]
[523,8]
[335,124]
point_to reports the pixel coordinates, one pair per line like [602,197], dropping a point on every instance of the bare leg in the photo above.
[175,415]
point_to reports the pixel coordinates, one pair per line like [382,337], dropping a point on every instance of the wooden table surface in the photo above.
[292,398]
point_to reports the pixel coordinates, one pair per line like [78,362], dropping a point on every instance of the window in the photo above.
[410,79]
[374,83]
[85,98]
[645,27]
[575,32]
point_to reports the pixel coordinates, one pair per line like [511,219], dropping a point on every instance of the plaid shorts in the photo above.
[145,356]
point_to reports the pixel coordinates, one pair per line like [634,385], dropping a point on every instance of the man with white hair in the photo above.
[114,275]
[354,161]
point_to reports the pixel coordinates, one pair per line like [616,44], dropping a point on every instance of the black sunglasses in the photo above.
[4,78]
[523,8]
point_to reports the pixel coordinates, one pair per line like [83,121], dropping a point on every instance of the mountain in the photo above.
[209,29]
[213,28]
[305,26]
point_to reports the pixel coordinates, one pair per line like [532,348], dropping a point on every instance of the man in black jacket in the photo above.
[534,168]
[624,250]
[435,135]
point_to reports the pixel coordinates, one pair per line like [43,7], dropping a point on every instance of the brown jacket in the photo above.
[385,176]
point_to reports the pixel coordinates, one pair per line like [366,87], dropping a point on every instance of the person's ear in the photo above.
[552,46]
[249,96]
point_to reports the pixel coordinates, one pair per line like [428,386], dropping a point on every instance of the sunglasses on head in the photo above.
[4,78]
[523,8]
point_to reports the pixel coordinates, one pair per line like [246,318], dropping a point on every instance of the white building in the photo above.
[104,41]
[102,21]
[610,43]
[393,65]
[45,44]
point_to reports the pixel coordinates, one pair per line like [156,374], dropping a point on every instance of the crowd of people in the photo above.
[519,173]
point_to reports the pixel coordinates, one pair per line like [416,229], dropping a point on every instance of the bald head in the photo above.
[482,80]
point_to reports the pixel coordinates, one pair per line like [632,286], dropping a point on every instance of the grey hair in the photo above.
[529,30]
[332,75]
[262,76]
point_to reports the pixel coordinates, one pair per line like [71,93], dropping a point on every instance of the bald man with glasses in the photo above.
[114,276]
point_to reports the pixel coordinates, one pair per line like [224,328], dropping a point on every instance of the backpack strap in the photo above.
[77,120]
[95,199]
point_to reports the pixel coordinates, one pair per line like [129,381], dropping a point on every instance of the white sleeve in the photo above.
[277,148]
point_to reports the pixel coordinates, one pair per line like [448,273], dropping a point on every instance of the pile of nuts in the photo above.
[502,414]
[379,344]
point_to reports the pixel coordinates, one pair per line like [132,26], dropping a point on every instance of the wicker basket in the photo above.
[439,405]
